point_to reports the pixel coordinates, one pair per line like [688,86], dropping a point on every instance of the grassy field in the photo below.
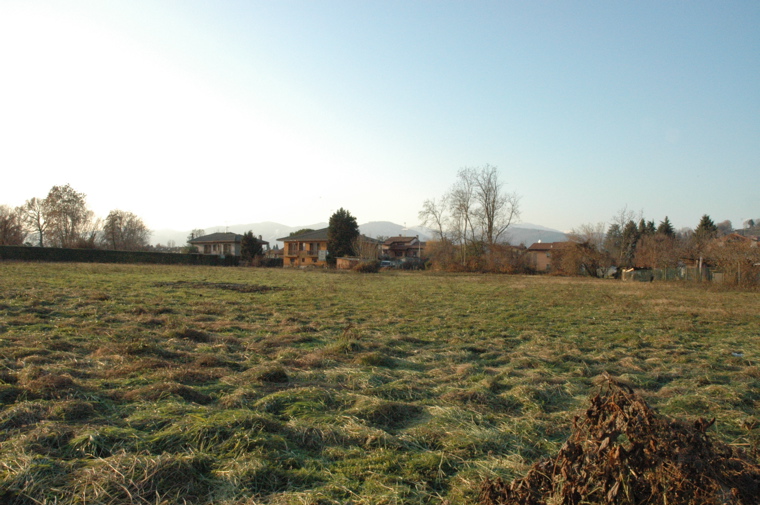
[151,385]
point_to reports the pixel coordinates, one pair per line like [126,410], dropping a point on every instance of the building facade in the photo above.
[307,249]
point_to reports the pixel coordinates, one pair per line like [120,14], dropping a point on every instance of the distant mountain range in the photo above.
[523,233]
[526,233]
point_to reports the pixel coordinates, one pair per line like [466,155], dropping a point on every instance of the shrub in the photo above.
[368,267]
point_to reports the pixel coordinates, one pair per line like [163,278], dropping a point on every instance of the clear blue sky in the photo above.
[196,114]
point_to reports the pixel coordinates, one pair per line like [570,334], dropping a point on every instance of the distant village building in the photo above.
[540,255]
[222,244]
[274,253]
[402,247]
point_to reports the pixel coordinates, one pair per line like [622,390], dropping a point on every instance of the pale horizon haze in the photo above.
[198,114]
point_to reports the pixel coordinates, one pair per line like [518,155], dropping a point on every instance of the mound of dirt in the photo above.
[622,452]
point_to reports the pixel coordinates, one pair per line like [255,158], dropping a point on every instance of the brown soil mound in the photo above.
[623,452]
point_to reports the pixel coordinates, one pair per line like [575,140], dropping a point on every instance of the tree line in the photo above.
[470,222]
[63,219]
[630,241]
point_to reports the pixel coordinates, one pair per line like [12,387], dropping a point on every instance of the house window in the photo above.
[226,249]
[207,249]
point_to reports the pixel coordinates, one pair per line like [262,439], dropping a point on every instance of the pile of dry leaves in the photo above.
[623,452]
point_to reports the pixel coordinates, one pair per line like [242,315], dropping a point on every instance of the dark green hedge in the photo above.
[271,262]
[22,253]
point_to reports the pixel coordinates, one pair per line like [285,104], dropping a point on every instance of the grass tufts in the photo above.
[166,390]
[377,359]
[387,415]
[51,385]
[272,374]
[72,410]
[9,394]
[189,334]
[105,441]
[145,478]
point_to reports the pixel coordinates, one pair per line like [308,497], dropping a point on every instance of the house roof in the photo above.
[227,237]
[735,237]
[546,246]
[218,237]
[306,236]
[399,240]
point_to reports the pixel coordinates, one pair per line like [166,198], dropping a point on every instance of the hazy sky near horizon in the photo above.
[196,114]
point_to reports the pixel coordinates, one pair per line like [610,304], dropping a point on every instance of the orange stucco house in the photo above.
[308,249]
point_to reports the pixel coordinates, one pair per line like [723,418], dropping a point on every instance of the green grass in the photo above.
[155,384]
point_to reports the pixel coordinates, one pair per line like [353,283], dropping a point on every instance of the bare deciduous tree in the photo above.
[586,252]
[34,214]
[474,215]
[70,221]
[624,216]
[737,258]
[496,208]
[195,233]
[462,207]
[592,234]
[365,248]
[125,231]
[11,226]
[434,215]
[657,251]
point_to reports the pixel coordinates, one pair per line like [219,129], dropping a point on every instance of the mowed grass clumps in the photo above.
[148,384]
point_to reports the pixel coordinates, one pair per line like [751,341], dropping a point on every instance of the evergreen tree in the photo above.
[341,233]
[706,229]
[250,247]
[666,228]
[630,240]
[642,228]
[613,240]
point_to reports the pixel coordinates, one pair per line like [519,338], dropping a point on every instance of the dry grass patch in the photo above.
[52,385]
[394,388]
[165,390]
[142,478]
